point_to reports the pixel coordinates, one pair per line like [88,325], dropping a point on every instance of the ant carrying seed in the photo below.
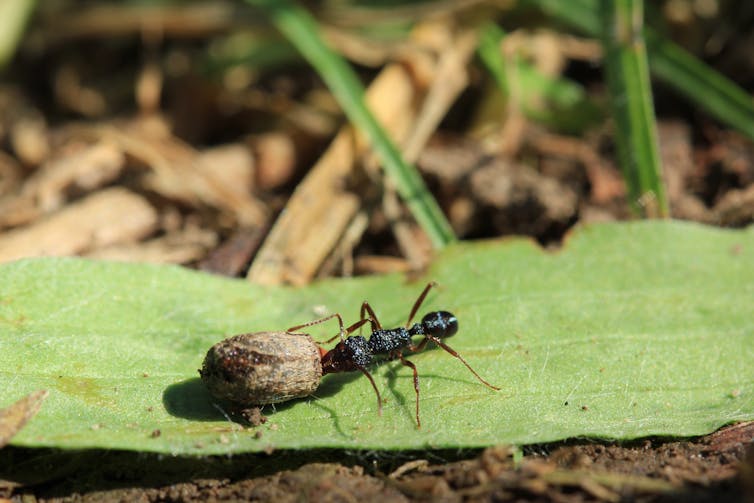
[356,352]
[269,367]
[263,367]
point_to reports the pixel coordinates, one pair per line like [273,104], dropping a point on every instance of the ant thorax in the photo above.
[387,340]
[359,350]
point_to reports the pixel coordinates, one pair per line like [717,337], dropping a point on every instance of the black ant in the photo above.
[269,367]
[356,353]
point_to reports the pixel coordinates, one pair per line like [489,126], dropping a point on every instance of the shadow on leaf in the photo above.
[190,399]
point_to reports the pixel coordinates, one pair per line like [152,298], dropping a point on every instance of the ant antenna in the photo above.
[419,302]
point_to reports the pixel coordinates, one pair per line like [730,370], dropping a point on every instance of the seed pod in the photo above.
[262,368]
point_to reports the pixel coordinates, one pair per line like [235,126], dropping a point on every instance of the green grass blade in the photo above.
[490,37]
[300,28]
[627,74]
[584,15]
[261,51]
[705,87]
[561,104]
[645,325]
[13,17]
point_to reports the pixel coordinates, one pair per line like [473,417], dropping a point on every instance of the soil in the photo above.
[240,171]
[718,467]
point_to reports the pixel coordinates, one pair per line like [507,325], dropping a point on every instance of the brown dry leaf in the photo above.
[677,156]
[15,416]
[109,20]
[84,169]
[275,155]
[23,127]
[233,256]
[380,264]
[219,178]
[231,165]
[10,175]
[449,78]
[503,185]
[178,247]
[736,207]
[30,140]
[72,92]
[607,184]
[104,218]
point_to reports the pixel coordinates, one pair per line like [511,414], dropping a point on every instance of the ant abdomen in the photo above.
[440,324]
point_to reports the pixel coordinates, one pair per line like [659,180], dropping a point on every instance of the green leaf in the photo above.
[630,330]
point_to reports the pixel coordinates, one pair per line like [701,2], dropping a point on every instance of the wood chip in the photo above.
[736,207]
[10,175]
[181,173]
[179,247]
[47,190]
[104,218]
[322,207]
[276,160]
[677,159]
[232,257]
[30,140]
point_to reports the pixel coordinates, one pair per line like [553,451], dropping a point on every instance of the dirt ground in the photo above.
[715,468]
[238,172]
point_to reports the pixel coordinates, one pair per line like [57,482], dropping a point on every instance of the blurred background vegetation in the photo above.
[523,117]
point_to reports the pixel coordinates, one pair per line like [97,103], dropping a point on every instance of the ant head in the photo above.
[350,354]
[440,324]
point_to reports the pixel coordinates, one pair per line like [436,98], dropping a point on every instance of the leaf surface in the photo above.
[629,330]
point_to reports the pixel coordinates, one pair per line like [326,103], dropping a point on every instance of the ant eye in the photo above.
[440,323]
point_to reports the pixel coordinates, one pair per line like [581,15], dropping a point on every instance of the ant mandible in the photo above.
[355,352]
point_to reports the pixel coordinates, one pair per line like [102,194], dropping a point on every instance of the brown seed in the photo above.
[262,368]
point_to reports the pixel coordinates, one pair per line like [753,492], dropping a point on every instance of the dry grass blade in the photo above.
[322,208]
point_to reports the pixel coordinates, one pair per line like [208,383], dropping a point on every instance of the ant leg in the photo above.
[348,330]
[365,307]
[317,322]
[409,363]
[379,398]
[419,302]
[418,347]
[454,353]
